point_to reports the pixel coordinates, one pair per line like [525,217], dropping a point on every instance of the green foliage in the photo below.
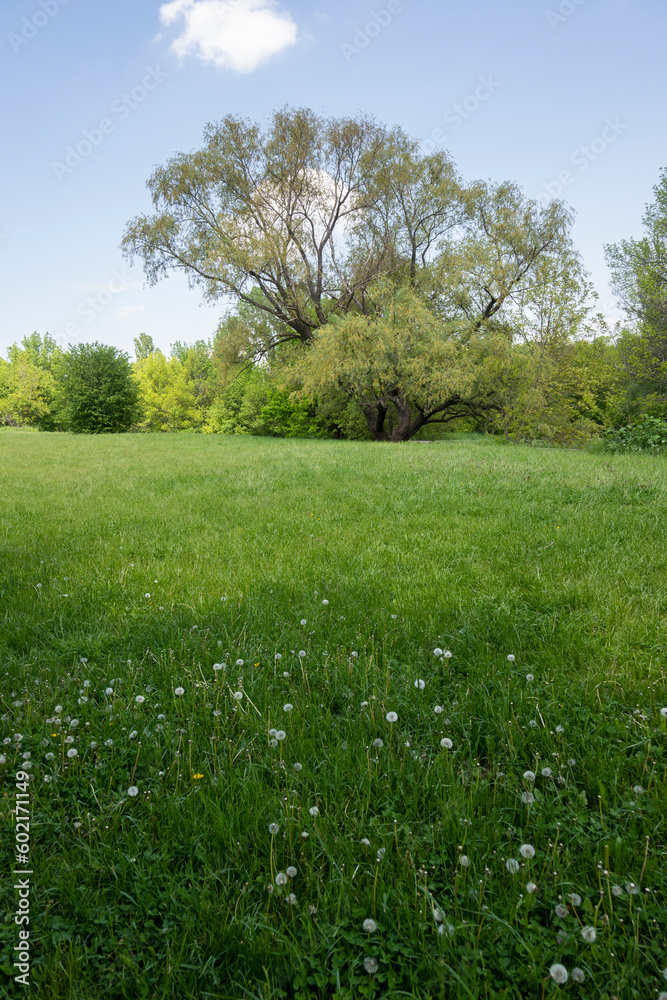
[99,391]
[166,397]
[639,270]
[143,346]
[647,434]
[28,383]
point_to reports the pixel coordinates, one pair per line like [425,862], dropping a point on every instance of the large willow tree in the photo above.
[356,247]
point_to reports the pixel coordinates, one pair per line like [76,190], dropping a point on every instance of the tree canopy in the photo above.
[306,222]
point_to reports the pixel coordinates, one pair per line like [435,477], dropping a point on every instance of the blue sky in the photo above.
[566,97]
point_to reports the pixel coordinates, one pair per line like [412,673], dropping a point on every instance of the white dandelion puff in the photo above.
[371,965]
[291,899]
[528,798]
[297,766]
[531,887]
[140,699]
[529,678]
[578,976]
[72,752]
[274,828]
[288,707]
[281,878]
[437,651]
[561,911]
[369,926]
[314,811]
[239,663]
[392,717]
[512,866]
[291,871]
[511,657]
[438,709]
[302,653]
[446,743]
[179,691]
[575,898]
[546,772]
[589,934]
[464,861]
[419,683]
[238,696]
[558,973]
[325,602]
[527,851]
[277,657]
[378,743]
[381,853]
[529,775]
[281,734]
[133,791]
[107,691]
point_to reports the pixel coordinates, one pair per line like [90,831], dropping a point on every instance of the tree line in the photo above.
[370,292]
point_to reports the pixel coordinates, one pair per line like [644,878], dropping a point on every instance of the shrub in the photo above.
[647,434]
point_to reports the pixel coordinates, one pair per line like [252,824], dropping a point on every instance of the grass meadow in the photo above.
[251,776]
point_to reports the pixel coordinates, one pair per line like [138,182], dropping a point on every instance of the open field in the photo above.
[133,566]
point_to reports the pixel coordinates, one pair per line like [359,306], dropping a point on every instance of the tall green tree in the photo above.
[304,221]
[639,277]
[29,383]
[99,390]
[143,346]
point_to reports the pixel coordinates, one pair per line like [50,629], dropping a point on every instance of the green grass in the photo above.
[138,562]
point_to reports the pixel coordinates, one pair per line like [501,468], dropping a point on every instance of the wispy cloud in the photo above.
[232,34]
[128,311]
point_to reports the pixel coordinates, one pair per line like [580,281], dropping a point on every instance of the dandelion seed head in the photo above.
[108,691]
[438,709]
[589,934]
[239,663]
[381,853]
[392,717]
[437,651]
[527,851]
[302,653]
[72,752]
[238,696]
[371,965]
[291,871]
[281,734]
[558,973]
[531,887]
[325,602]
[574,898]
[464,861]
[663,712]
[291,899]
[578,976]
[278,656]
[369,926]
[529,678]
[140,699]
[288,707]
[365,841]
[529,775]
[281,878]
[314,811]
[528,798]
[133,791]
[179,691]
[546,772]
[274,828]
[419,683]
[378,743]
[511,657]
[446,743]
[297,766]
[512,866]
[561,911]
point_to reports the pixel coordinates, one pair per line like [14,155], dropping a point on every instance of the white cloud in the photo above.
[232,34]
[127,311]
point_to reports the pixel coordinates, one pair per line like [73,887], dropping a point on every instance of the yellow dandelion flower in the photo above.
[197,776]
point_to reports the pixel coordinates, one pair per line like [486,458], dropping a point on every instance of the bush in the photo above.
[648,434]
[100,393]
